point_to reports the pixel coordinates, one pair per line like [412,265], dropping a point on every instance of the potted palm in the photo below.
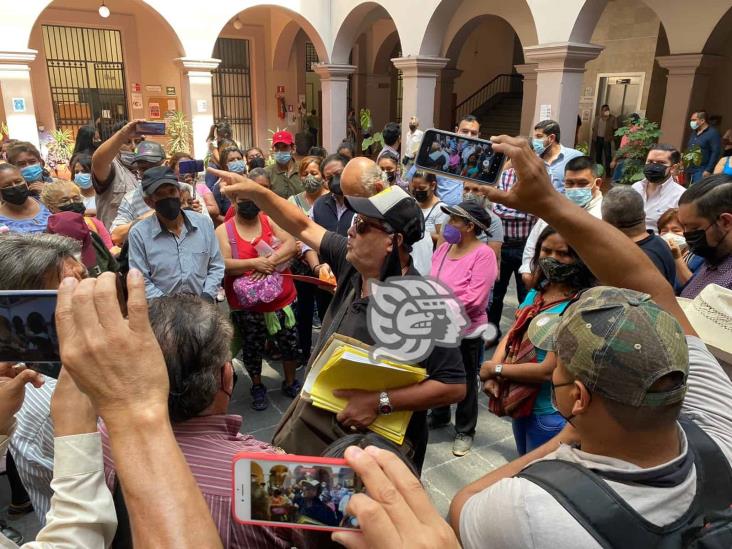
[179,133]
[60,148]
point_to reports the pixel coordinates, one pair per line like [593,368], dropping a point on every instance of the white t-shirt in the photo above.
[422,251]
[434,216]
[594,207]
[516,513]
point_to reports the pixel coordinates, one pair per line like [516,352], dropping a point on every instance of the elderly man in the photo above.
[194,337]
[386,225]
[414,140]
[622,207]
[176,251]
[362,177]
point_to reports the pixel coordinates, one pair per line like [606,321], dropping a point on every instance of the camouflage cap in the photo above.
[619,343]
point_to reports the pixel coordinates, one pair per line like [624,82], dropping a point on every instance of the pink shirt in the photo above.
[101,231]
[470,277]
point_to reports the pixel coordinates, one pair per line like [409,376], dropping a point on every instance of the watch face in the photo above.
[385,409]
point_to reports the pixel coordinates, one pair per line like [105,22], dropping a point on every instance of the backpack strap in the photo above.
[592,503]
[232,239]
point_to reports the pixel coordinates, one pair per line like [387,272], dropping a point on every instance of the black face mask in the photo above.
[76,207]
[17,194]
[169,208]
[655,173]
[699,245]
[335,185]
[554,271]
[256,162]
[247,209]
[421,196]
[391,177]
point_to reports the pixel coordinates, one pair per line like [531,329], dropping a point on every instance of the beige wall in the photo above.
[486,53]
[628,30]
[720,86]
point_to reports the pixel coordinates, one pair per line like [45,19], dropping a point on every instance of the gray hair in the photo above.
[185,187]
[623,207]
[194,337]
[258,172]
[370,177]
[29,259]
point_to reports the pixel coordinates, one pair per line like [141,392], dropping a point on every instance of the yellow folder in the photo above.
[343,365]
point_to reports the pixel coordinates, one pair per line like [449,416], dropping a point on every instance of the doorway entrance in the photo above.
[622,92]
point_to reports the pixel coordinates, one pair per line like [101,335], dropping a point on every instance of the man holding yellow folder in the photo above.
[387,224]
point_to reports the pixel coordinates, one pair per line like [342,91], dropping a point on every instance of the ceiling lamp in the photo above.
[237,24]
[104,10]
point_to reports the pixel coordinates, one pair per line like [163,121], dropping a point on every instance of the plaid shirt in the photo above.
[516,225]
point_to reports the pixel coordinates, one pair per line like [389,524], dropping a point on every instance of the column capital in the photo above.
[688,64]
[561,56]
[420,65]
[527,70]
[332,71]
[16,60]
[191,64]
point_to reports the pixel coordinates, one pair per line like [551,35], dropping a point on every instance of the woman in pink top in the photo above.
[469,268]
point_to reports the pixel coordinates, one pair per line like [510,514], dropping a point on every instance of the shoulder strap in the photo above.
[232,238]
[592,503]
[335,323]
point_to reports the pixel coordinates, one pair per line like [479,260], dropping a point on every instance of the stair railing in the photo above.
[500,84]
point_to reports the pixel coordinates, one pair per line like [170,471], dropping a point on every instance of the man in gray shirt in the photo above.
[176,251]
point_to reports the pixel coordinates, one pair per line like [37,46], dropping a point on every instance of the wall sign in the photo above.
[170,90]
[136,87]
[202,105]
[154,89]
[18,104]
[154,111]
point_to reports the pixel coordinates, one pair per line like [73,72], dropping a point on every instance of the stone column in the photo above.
[419,78]
[446,115]
[200,99]
[528,104]
[560,70]
[334,90]
[17,95]
[686,90]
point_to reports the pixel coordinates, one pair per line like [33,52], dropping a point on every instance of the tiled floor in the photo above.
[443,473]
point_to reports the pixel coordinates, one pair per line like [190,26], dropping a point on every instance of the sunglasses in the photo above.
[362,225]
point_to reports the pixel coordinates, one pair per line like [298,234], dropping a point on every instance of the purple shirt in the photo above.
[470,277]
[709,274]
[209,444]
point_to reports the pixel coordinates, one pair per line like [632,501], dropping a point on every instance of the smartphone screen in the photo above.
[190,166]
[294,491]
[454,155]
[27,329]
[151,128]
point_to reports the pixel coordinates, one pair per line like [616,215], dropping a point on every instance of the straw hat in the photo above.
[710,313]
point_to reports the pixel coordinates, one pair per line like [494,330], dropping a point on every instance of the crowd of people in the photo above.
[170,281]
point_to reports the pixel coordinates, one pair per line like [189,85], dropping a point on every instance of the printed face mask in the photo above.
[312,184]
[555,271]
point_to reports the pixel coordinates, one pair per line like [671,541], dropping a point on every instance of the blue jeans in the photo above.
[532,431]
[695,175]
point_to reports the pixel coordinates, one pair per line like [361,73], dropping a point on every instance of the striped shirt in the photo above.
[516,224]
[209,444]
[32,446]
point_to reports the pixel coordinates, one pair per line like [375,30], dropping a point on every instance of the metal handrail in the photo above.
[502,83]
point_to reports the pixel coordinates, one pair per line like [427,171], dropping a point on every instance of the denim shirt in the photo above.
[170,264]
[559,164]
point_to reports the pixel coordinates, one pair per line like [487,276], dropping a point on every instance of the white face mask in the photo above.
[677,239]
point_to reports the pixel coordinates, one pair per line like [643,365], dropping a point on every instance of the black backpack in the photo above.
[707,524]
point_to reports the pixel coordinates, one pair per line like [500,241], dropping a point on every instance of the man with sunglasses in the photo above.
[377,247]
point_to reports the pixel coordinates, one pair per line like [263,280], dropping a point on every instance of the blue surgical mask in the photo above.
[283,157]
[538,145]
[237,166]
[581,196]
[694,125]
[83,180]
[32,173]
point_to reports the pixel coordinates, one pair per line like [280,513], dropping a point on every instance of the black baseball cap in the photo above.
[156,177]
[396,208]
[472,211]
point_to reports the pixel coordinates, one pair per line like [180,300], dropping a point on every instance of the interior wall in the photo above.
[720,83]
[628,30]
[487,52]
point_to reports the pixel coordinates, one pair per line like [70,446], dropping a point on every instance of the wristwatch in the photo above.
[384,404]
[498,369]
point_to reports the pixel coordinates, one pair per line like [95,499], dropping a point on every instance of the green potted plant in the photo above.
[179,133]
[60,149]
[642,134]
[369,139]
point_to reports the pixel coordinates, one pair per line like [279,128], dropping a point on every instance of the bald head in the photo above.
[362,177]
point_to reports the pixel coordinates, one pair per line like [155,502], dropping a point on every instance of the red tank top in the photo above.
[246,250]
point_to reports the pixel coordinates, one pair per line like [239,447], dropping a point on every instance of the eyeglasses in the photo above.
[362,225]
[554,394]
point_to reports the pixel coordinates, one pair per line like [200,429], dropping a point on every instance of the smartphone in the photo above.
[190,166]
[151,128]
[290,491]
[459,156]
[28,331]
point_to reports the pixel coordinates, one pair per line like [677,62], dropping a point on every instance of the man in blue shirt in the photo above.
[555,155]
[709,141]
[176,251]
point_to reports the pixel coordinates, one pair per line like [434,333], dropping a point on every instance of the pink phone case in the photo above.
[283,458]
